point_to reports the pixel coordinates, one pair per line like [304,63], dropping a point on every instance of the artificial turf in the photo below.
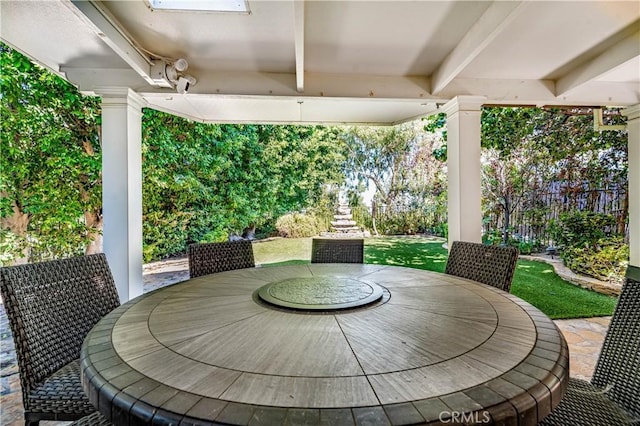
[535,282]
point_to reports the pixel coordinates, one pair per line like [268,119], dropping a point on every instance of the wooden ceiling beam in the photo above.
[490,25]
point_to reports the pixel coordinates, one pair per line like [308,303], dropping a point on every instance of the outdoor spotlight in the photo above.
[184,83]
[174,71]
[171,75]
[181,65]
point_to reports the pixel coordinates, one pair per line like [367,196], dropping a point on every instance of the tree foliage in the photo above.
[531,150]
[513,167]
[398,162]
[50,163]
[203,182]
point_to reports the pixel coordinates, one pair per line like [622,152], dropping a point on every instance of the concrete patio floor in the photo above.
[584,337]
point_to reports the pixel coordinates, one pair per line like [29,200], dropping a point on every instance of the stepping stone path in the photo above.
[343,225]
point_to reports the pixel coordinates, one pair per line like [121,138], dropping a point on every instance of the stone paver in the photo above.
[584,337]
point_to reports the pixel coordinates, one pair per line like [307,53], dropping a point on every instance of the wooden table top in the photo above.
[434,347]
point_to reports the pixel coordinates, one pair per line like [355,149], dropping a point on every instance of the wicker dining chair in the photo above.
[491,265]
[612,398]
[51,306]
[95,419]
[334,250]
[209,258]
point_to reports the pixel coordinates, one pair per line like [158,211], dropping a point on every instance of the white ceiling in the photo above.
[341,61]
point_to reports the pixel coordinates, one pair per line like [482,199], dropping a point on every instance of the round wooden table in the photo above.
[430,348]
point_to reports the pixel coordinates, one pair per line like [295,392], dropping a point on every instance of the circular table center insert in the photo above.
[320,293]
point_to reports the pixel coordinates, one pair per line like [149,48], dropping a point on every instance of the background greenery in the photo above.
[206,182]
[50,163]
[201,182]
[590,245]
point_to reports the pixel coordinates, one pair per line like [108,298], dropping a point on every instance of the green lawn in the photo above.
[535,282]
[282,250]
[538,284]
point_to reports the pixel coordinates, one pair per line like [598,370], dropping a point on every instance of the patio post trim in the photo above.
[463,168]
[122,187]
[633,134]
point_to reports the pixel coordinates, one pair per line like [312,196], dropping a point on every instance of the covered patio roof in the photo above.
[297,61]
[381,62]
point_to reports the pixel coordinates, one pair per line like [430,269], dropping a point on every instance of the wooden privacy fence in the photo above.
[528,222]
[531,219]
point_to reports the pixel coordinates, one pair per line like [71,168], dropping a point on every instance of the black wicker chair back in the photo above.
[491,265]
[618,366]
[51,307]
[613,396]
[333,250]
[209,258]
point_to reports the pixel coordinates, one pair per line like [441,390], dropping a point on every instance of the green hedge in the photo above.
[589,246]
[607,261]
[298,225]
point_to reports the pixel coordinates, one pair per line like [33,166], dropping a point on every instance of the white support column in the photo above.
[122,187]
[633,129]
[463,168]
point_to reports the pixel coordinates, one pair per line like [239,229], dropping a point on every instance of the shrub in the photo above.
[215,236]
[607,262]
[588,247]
[400,223]
[164,234]
[409,222]
[298,225]
[493,237]
[441,230]
[581,229]
[527,247]
[11,247]
[266,230]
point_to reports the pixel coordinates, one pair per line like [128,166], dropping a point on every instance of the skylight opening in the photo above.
[238,6]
